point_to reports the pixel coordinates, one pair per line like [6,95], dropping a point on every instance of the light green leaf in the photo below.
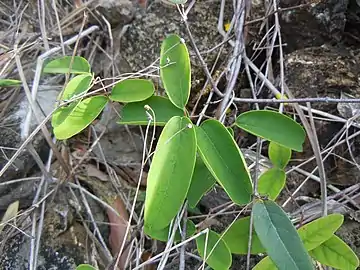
[279,155]
[85,267]
[279,237]
[135,113]
[62,65]
[164,234]
[273,126]
[224,160]
[218,258]
[76,86]
[237,238]
[271,182]
[318,231]
[265,264]
[175,70]
[132,90]
[202,181]
[9,82]
[170,173]
[70,120]
[336,253]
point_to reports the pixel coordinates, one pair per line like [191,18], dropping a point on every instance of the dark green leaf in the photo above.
[279,155]
[62,65]
[336,253]
[135,113]
[271,182]
[237,238]
[224,160]
[273,126]
[217,254]
[132,90]
[175,70]
[202,181]
[170,173]
[279,237]
[68,121]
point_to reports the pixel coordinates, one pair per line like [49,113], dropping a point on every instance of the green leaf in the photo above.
[279,237]
[170,173]
[76,86]
[9,82]
[271,182]
[164,234]
[85,267]
[336,253]
[202,181]
[237,238]
[224,160]
[132,90]
[265,264]
[231,131]
[273,126]
[68,121]
[318,231]
[220,256]
[279,155]
[135,113]
[62,65]
[175,70]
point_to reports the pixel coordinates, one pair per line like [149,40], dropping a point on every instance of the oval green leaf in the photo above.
[132,90]
[178,2]
[237,238]
[217,254]
[265,264]
[202,181]
[70,120]
[62,65]
[318,231]
[9,82]
[224,160]
[271,182]
[135,113]
[279,237]
[76,86]
[164,234]
[273,126]
[336,253]
[85,267]
[175,70]
[279,155]
[170,173]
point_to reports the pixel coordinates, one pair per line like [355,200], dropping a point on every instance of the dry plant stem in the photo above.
[201,59]
[183,238]
[34,108]
[235,62]
[298,100]
[311,132]
[96,228]
[136,195]
[174,225]
[35,241]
